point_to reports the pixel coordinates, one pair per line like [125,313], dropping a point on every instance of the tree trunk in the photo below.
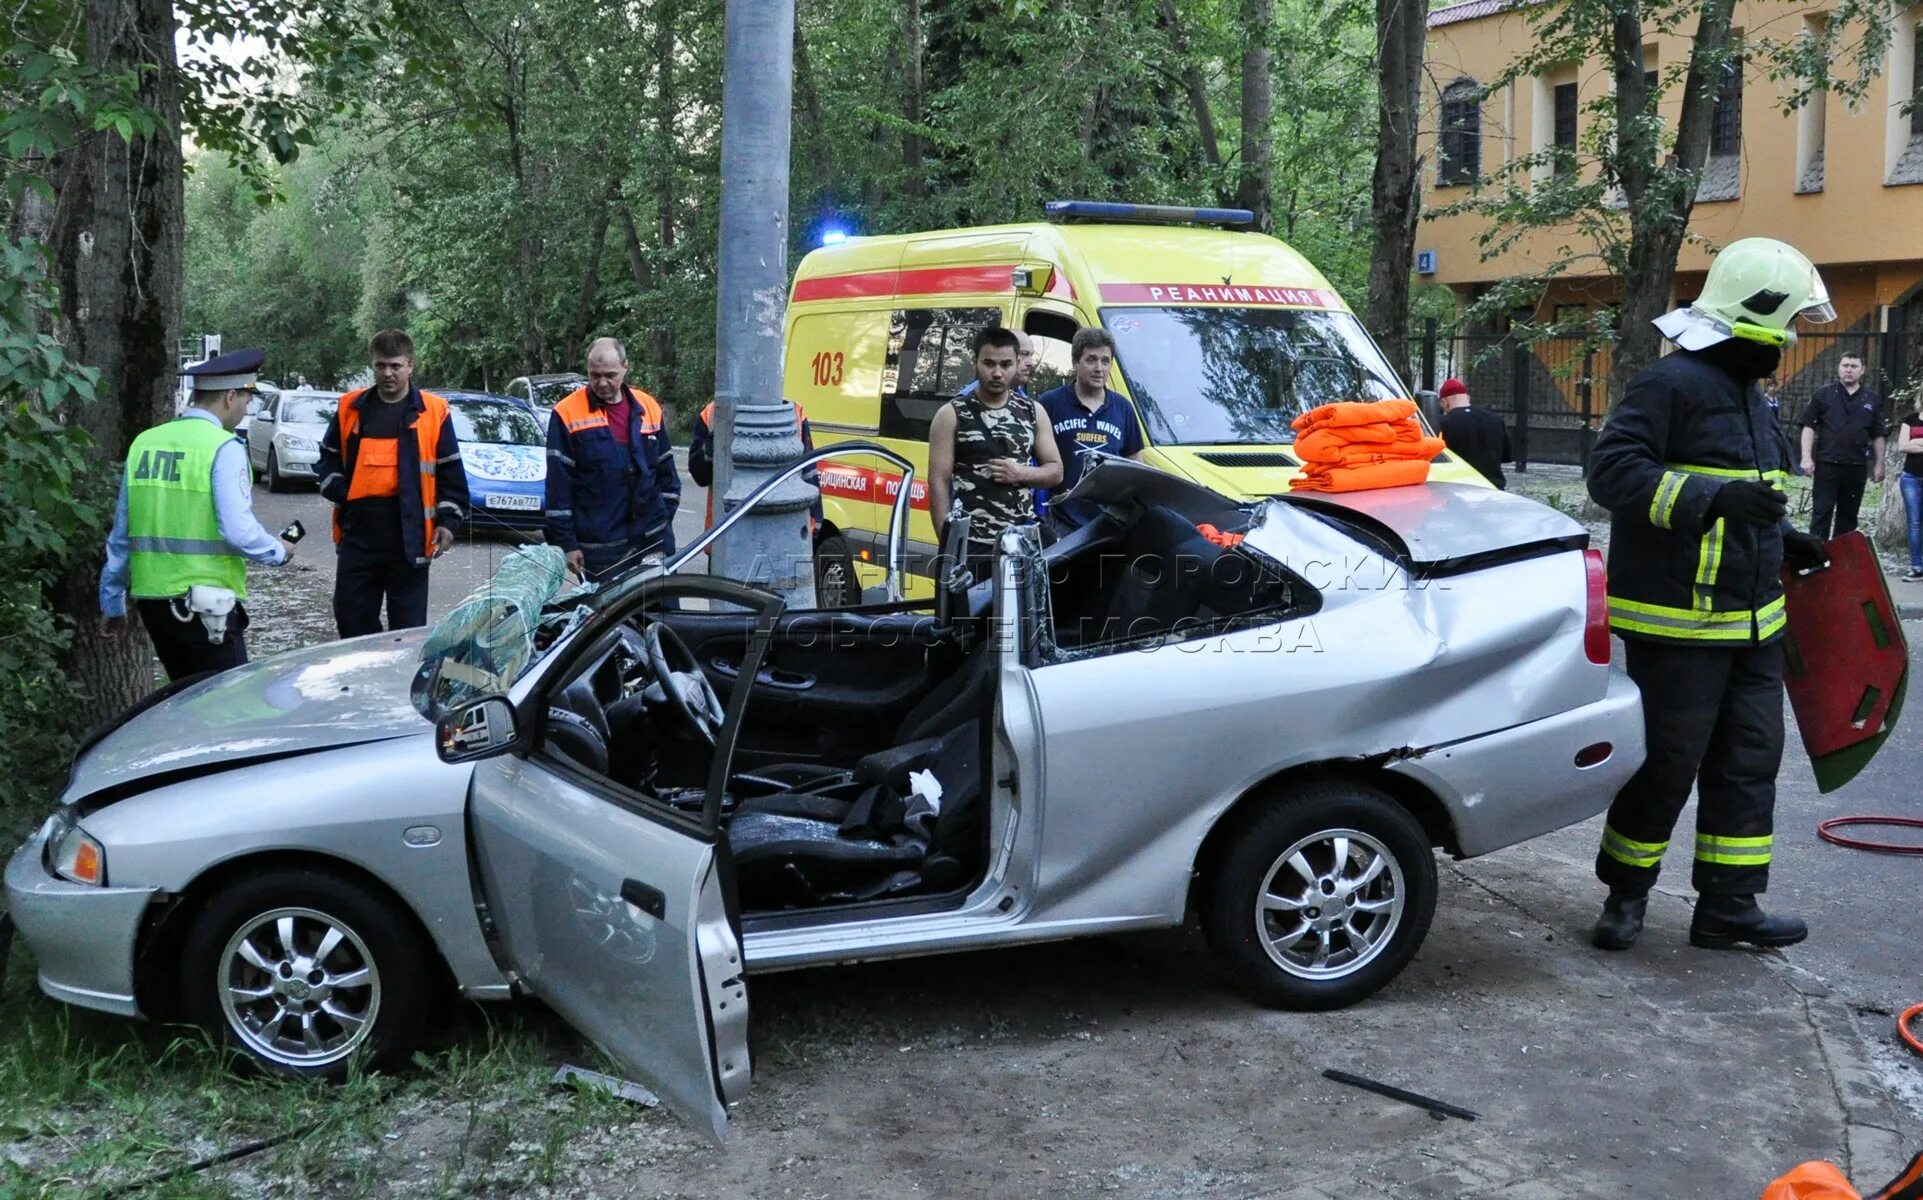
[117,243]
[1258,20]
[526,250]
[1660,195]
[571,353]
[814,127]
[912,156]
[1198,92]
[661,347]
[1401,26]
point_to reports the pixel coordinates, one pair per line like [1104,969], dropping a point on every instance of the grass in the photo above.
[92,1105]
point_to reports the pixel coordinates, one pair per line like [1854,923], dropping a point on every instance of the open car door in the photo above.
[612,905]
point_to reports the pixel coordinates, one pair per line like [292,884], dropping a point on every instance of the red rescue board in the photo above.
[1845,662]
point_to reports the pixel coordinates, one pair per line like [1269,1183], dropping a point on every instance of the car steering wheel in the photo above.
[691,698]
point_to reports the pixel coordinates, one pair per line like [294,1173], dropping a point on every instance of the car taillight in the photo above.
[1595,630]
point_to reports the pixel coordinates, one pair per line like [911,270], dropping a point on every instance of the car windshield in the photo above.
[1216,375]
[309,410]
[499,422]
[549,392]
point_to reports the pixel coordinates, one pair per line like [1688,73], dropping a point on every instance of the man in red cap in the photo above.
[1474,435]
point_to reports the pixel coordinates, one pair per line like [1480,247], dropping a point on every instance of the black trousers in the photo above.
[1713,718]
[183,646]
[1836,489]
[371,570]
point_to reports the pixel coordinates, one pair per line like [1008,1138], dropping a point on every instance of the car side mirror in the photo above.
[478,729]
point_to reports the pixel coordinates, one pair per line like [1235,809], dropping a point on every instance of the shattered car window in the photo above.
[488,640]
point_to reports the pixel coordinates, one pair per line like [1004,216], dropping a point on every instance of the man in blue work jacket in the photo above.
[612,488]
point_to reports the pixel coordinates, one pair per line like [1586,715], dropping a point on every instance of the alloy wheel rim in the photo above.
[1329,904]
[834,582]
[299,987]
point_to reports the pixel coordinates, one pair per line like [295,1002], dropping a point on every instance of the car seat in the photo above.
[834,836]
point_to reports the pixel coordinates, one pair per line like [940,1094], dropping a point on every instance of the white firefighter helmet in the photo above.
[1756,289]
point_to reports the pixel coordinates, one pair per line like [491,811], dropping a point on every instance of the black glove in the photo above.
[1804,551]
[1748,502]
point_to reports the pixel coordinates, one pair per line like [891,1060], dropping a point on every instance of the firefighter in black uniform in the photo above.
[1689,468]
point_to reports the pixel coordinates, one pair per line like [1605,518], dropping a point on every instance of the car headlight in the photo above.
[73,854]
[299,445]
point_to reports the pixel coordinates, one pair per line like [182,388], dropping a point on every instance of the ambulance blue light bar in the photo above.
[1145,214]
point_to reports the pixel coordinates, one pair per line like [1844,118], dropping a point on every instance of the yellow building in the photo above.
[1843,185]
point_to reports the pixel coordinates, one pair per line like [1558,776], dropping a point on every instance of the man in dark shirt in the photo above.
[1844,435]
[1087,418]
[1474,435]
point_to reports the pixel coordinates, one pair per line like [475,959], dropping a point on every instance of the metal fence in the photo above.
[1554,392]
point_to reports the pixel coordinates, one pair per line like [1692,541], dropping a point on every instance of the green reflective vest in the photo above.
[172,529]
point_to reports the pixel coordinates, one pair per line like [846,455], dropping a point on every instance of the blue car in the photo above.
[504,450]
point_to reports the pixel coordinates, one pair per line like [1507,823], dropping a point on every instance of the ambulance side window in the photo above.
[1052,334]
[929,360]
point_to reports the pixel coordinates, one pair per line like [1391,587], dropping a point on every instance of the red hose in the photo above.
[1826,831]
[1903,1030]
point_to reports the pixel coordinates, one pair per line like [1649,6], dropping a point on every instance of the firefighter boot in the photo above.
[1621,920]
[1724,922]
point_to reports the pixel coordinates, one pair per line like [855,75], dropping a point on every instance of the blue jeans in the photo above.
[1913,506]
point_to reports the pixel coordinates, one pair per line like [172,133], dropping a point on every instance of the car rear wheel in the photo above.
[835,582]
[1323,897]
[305,972]
[274,481]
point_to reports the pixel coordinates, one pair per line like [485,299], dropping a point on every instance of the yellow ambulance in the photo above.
[1222,337]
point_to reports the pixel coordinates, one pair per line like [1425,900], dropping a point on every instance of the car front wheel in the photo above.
[1323,897]
[274,481]
[306,971]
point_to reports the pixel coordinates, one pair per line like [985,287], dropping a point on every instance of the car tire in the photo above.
[364,1001]
[836,585]
[1299,928]
[274,481]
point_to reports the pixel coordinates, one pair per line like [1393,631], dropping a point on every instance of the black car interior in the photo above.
[855,711]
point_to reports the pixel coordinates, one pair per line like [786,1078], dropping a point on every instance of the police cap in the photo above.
[236,370]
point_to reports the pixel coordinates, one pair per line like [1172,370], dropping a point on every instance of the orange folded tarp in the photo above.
[1319,477]
[1345,413]
[1331,447]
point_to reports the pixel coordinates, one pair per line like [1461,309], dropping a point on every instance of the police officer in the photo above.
[1688,467]
[612,488]
[391,464]
[185,527]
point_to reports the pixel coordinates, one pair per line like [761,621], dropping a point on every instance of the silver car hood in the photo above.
[1452,524]
[1436,526]
[336,694]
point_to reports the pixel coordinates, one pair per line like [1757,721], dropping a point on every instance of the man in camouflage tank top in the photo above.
[980,448]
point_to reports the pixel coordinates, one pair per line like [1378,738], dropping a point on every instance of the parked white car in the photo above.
[283,440]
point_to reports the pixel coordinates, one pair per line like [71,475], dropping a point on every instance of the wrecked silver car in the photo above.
[626,801]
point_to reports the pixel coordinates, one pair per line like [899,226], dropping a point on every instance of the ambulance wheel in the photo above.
[275,482]
[1321,897]
[835,583]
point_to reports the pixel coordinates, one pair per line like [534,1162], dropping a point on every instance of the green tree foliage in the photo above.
[285,275]
[528,175]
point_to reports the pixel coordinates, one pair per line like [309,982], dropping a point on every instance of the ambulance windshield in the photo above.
[1241,375]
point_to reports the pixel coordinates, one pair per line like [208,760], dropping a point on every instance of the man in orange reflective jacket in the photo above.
[391,464]
[612,487]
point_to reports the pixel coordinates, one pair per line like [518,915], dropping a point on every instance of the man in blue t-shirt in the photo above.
[1088,418]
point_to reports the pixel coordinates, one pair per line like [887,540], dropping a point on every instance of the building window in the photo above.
[1461,134]
[1726,119]
[1565,138]
[1904,147]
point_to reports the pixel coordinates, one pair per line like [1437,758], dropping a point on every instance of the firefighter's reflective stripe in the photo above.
[1662,507]
[1632,853]
[1709,560]
[1734,851]
[1728,472]
[1660,620]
